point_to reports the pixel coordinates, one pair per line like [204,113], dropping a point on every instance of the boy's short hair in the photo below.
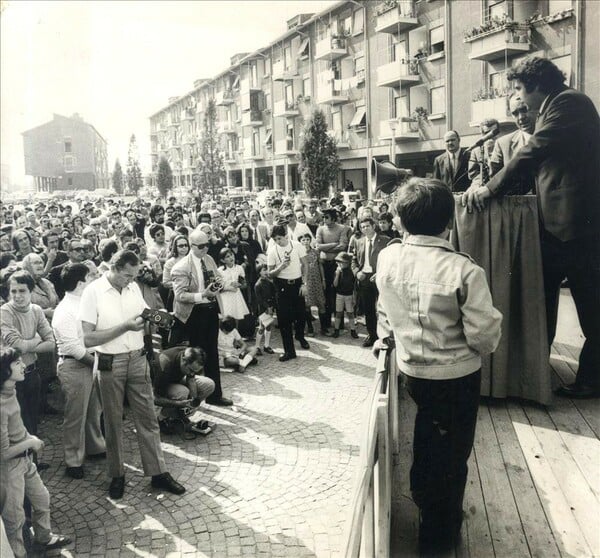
[305,235]
[425,206]
[227,324]
[279,230]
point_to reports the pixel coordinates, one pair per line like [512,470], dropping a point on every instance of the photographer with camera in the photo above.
[110,311]
[196,284]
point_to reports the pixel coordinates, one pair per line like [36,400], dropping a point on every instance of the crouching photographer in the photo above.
[179,388]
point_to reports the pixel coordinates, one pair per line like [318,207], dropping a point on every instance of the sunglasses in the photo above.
[522,110]
[200,246]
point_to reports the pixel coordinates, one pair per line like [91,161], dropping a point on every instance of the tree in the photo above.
[164,177]
[117,178]
[134,174]
[211,168]
[319,161]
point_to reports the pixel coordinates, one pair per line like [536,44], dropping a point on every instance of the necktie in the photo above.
[367,265]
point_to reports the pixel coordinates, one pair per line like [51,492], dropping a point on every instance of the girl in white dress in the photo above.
[234,277]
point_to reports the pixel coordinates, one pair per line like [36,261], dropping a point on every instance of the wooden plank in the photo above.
[508,537]
[533,518]
[367,542]
[566,530]
[577,491]
[384,479]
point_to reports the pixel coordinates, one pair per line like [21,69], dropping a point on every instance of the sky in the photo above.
[117,62]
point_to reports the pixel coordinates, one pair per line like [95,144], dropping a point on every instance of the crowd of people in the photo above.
[83,292]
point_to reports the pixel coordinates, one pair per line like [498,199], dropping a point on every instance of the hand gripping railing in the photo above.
[367,532]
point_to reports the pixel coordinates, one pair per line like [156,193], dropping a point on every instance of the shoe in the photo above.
[201,427]
[368,342]
[303,342]
[578,391]
[326,333]
[117,488]
[74,472]
[55,541]
[285,357]
[42,466]
[258,352]
[353,334]
[269,351]
[336,333]
[101,455]
[219,401]
[254,362]
[168,483]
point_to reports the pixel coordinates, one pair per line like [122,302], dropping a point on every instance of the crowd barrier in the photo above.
[367,532]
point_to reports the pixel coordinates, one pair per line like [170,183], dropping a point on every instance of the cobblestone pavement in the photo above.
[273,479]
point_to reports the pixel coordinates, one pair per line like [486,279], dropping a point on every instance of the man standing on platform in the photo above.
[195,288]
[451,167]
[564,155]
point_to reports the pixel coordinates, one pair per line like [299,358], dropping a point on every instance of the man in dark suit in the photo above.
[76,254]
[452,167]
[564,155]
[364,267]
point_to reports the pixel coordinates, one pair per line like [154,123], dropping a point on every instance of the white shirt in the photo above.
[67,327]
[276,255]
[367,267]
[106,307]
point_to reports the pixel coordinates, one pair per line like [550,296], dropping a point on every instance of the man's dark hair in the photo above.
[71,274]
[367,220]
[24,278]
[156,209]
[155,229]
[123,258]
[8,355]
[535,71]
[386,216]
[127,231]
[425,206]
[6,258]
[109,250]
[278,230]
[46,235]
[133,246]
[193,354]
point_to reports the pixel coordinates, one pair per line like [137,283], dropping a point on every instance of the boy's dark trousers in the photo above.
[443,440]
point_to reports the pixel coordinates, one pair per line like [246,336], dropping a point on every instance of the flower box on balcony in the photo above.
[497,38]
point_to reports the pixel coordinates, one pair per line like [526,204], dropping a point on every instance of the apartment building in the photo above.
[66,153]
[391,77]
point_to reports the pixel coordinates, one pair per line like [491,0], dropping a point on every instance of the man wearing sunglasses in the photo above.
[508,145]
[195,287]
[76,253]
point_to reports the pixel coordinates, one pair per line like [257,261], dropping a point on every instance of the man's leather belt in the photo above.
[67,356]
[289,281]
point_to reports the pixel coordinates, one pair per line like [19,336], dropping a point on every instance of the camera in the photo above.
[215,283]
[159,318]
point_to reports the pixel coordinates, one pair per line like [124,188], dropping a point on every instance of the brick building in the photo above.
[369,65]
[66,153]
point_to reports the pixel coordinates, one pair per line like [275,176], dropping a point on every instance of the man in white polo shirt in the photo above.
[110,313]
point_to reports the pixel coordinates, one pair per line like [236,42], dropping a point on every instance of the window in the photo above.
[438,100]
[255,143]
[359,120]
[303,51]
[69,162]
[336,70]
[269,139]
[336,120]
[68,147]
[267,66]
[69,181]
[346,25]
[254,75]
[306,87]
[398,52]
[287,57]
[268,100]
[497,8]
[289,96]
[401,106]
[359,21]
[235,83]
[556,6]
[498,84]
[289,138]
[436,40]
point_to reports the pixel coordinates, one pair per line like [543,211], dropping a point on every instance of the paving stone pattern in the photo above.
[273,479]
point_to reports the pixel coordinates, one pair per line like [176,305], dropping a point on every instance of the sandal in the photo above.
[56,541]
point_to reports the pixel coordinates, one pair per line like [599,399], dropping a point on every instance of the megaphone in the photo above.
[387,177]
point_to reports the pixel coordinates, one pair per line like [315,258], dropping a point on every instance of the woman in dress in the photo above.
[315,286]
[234,278]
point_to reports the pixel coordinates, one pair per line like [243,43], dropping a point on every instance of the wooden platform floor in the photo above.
[534,477]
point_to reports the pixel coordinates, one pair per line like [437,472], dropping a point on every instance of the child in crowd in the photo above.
[19,477]
[234,278]
[343,282]
[315,286]
[265,300]
[437,304]
[232,348]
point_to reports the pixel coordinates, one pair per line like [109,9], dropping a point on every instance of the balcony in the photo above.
[286,146]
[490,108]
[226,127]
[281,73]
[498,39]
[257,155]
[188,114]
[407,130]
[230,158]
[286,109]
[396,19]
[224,98]
[332,94]
[395,74]
[340,138]
[252,118]
[249,100]
[331,48]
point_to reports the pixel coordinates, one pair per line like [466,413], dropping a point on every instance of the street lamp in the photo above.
[393,124]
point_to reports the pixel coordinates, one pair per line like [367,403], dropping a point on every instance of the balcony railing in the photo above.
[332,93]
[341,139]
[490,108]
[331,48]
[223,98]
[285,108]
[396,17]
[393,74]
[498,38]
[407,130]
[286,146]
[281,73]
[252,118]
